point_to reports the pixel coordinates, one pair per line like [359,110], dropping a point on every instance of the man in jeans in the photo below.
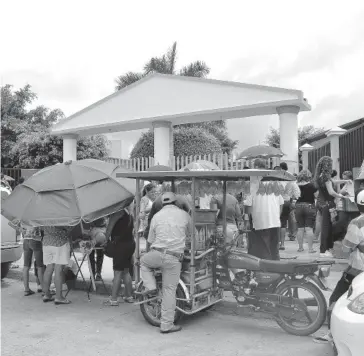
[167,238]
[353,243]
[56,255]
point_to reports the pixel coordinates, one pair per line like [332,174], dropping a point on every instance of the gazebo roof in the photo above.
[180,100]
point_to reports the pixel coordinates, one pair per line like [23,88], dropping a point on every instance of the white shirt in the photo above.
[266,207]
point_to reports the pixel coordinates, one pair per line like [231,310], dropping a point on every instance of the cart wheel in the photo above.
[152,310]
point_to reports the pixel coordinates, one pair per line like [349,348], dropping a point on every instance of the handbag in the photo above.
[110,248]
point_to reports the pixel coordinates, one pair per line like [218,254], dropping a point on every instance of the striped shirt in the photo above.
[291,191]
[354,243]
[56,236]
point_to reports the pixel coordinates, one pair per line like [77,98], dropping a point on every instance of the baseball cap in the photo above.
[360,197]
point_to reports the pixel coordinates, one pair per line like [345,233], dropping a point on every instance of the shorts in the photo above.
[124,256]
[32,246]
[58,255]
[305,215]
[286,211]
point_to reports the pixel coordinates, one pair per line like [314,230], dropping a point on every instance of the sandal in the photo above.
[301,249]
[111,303]
[128,299]
[63,301]
[29,292]
[47,299]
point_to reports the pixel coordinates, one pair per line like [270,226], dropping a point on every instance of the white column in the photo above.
[70,147]
[163,142]
[305,149]
[288,127]
[334,135]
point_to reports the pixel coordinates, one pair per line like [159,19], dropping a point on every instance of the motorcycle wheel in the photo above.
[320,318]
[152,310]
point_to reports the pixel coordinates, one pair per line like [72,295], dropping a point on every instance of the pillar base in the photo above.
[70,147]
[163,143]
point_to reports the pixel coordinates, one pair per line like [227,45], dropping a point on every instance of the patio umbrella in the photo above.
[201,165]
[67,194]
[260,151]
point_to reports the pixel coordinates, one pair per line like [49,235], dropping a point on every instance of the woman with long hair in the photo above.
[149,194]
[305,210]
[326,203]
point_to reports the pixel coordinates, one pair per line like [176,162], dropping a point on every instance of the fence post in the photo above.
[305,149]
[334,135]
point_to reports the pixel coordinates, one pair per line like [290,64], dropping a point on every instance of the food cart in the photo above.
[204,279]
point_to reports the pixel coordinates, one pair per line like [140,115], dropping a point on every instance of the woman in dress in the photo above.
[149,194]
[121,227]
[305,210]
[326,203]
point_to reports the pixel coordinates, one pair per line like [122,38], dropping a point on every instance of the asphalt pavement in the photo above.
[33,328]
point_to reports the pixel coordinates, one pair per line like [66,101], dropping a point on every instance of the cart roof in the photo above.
[208,175]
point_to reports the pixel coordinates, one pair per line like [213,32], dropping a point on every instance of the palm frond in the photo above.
[126,79]
[172,58]
[196,69]
[157,65]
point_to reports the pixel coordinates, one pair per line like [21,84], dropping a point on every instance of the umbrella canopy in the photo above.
[201,165]
[260,151]
[67,194]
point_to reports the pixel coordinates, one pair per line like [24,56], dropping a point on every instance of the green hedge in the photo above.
[187,141]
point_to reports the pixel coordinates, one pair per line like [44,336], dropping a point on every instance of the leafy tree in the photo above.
[273,138]
[166,64]
[219,130]
[188,141]
[26,140]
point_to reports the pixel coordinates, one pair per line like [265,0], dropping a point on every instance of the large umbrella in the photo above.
[67,194]
[260,151]
[201,165]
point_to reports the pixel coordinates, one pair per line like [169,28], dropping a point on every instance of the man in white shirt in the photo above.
[265,205]
[167,238]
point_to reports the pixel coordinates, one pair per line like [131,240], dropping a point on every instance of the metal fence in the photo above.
[352,149]
[315,155]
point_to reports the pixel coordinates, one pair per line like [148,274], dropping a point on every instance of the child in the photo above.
[353,243]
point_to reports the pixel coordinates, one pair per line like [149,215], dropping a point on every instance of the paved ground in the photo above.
[30,327]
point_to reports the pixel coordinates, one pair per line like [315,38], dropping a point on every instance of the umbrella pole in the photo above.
[136,234]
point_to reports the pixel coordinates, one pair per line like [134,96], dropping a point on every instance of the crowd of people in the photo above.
[309,203]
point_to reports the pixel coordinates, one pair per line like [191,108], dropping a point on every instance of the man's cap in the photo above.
[168,198]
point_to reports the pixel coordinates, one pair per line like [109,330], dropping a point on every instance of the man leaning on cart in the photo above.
[167,238]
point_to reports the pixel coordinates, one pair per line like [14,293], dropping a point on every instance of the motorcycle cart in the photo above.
[209,264]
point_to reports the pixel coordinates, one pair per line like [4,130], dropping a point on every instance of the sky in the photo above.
[71,51]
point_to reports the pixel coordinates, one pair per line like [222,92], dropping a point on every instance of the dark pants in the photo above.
[264,243]
[326,230]
[340,289]
[96,266]
[341,226]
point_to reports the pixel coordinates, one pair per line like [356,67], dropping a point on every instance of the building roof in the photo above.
[180,100]
[348,126]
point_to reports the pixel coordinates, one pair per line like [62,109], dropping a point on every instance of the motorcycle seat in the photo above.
[299,267]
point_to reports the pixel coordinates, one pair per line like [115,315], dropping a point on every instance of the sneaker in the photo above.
[329,254]
[174,329]
[325,339]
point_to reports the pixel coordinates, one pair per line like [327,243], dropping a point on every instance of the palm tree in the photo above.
[165,64]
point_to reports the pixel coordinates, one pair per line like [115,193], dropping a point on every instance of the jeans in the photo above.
[96,267]
[341,288]
[29,247]
[171,270]
[326,230]
[341,226]
[264,243]
[292,224]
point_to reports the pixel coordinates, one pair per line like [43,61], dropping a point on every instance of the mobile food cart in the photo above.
[266,286]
